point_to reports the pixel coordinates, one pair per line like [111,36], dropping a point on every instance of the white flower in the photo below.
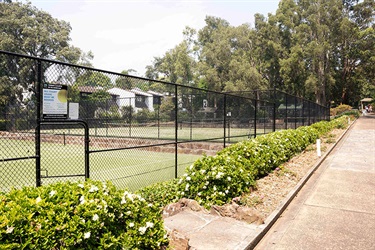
[81,185]
[142,230]
[218,176]
[82,200]
[191,166]
[149,224]
[188,178]
[131,224]
[128,212]
[199,194]
[9,230]
[149,205]
[229,179]
[187,187]
[93,189]
[38,199]
[87,235]
[83,221]
[52,193]
[227,191]
[204,187]
[214,188]
[123,201]
[95,217]
[203,171]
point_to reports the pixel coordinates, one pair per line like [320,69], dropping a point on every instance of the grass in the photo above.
[168,133]
[132,168]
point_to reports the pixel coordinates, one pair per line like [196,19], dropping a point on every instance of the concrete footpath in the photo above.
[334,208]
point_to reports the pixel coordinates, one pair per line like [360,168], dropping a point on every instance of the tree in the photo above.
[353,55]
[124,82]
[94,79]
[27,30]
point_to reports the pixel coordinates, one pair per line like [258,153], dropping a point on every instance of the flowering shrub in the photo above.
[218,179]
[160,194]
[89,215]
[339,109]
[215,180]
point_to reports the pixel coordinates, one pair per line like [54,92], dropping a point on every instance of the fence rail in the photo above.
[60,121]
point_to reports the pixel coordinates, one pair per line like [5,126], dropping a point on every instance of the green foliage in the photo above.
[161,194]
[21,124]
[3,125]
[233,171]
[95,79]
[89,215]
[351,113]
[340,109]
[127,113]
[30,31]
[143,116]
[167,109]
[215,180]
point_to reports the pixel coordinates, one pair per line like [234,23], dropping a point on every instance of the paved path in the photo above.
[336,207]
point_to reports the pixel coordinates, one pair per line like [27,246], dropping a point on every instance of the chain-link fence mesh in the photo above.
[65,122]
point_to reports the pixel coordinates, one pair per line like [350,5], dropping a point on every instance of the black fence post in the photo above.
[255,115]
[286,111]
[274,110]
[87,151]
[38,89]
[295,112]
[303,112]
[225,119]
[176,132]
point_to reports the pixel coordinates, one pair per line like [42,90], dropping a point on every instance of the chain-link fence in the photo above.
[66,122]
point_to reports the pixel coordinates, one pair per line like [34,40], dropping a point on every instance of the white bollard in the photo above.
[318,151]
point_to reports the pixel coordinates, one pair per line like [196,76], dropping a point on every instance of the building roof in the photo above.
[88,89]
[138,91]
[155,93]
[121,92]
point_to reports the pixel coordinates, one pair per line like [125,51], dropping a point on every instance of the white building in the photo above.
[143,100]
[123,97]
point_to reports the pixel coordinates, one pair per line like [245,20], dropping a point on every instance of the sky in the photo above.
[128,34]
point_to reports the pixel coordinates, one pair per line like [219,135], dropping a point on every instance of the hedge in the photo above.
[235,169]
[89,215]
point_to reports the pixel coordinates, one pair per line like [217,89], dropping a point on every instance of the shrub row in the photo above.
[339,109]
[235,169]
[90,215]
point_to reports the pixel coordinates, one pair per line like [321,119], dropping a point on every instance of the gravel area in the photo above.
[272,189]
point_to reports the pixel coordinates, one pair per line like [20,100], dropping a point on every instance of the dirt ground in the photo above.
[272,189]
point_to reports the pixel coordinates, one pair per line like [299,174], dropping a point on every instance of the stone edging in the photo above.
[272,218]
